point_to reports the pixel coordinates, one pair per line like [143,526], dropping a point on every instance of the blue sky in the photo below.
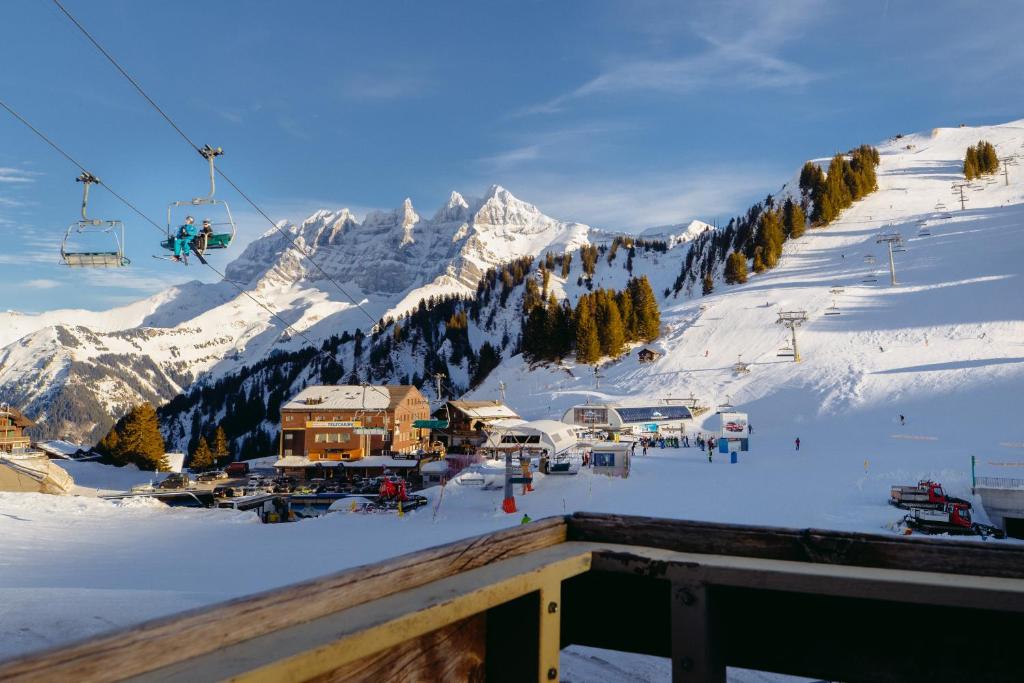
[618,114]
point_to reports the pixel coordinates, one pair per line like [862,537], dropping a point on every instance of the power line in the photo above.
[191,143]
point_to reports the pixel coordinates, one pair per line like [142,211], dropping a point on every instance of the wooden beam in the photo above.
[169,640]
[696,656]
[451,654]
[313,649]
[803,545]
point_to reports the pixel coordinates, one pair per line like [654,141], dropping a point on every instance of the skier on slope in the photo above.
[903,420]
[797,442]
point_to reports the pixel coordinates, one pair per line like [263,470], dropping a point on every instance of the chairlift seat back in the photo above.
[94,259]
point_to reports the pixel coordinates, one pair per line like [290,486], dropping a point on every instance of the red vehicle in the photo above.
[237,469]
[733,427]
[952,518]
[927,495]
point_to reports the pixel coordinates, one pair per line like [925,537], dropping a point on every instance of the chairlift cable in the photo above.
[135,84]
[236,285]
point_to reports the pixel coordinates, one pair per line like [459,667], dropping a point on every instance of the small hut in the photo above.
[611,459]
[648,355]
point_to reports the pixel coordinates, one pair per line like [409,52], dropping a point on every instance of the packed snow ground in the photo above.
[945,348]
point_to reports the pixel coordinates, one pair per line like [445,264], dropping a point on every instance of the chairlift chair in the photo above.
[833,309]
[869,258]
[923,231]
[112,231]
[741,368]
[871,278]
[203,242]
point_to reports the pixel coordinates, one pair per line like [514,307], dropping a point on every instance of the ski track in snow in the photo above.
[945,348]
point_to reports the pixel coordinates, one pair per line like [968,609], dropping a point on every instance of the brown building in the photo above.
[349,422]
[648,355]
[12,429]
[468,421]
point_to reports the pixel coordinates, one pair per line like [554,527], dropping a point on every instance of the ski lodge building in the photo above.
[629,419]
[12,429]
[351,425]
[468,422]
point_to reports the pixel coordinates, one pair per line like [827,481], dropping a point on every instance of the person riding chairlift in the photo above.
[206,232]
[183,242]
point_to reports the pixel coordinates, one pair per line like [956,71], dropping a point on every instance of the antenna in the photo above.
[501,391]
[792,320]
[891,239]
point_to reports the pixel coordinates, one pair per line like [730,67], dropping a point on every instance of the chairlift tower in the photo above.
[891,239]
[958,188]
[1007,161]
[792,320]
[438,378]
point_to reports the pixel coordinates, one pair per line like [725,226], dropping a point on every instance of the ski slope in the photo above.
[944,348]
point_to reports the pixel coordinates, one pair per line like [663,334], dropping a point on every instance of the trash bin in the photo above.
[732,458]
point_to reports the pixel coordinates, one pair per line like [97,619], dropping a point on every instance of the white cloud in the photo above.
[17,175]
[41,284]
[740,50]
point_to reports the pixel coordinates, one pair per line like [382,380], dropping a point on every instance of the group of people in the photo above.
[186,234]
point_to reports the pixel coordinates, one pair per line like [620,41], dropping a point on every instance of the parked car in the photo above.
[175,480]
[215,475]
[228,491]
[237,469]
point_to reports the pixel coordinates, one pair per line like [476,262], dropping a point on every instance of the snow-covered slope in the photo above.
[945,347]
[75,370]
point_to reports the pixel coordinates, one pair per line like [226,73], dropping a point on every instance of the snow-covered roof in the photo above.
[552,435]
[434,467]
[60,448]
[484,410]
[380,461]
[292,461]
[340,397]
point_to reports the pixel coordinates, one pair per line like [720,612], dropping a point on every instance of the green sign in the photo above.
[430,424]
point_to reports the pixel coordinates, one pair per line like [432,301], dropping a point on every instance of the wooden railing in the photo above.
[500,607]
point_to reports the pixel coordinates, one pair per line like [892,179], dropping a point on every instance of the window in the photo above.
[287,452]
[288,436]
[320,438]
[604,459]
[288,418]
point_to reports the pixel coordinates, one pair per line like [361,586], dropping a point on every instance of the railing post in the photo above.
[549,632]
[694,650]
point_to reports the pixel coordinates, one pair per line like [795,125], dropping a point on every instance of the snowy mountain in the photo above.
[676,234]
[73,370]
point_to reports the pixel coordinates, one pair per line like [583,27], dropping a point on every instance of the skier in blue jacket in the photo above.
[183,242]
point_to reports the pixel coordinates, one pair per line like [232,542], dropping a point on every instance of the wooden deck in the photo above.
[500,607]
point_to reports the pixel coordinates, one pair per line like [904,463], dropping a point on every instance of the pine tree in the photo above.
[138,440]
[759,265]
[566,264]
[611,335]
[624,300]
[645,308]
[202,456]
[708,285]
[736,269]
[770,238]
[794,220]
[221,448]
[971,163]
[588,347]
